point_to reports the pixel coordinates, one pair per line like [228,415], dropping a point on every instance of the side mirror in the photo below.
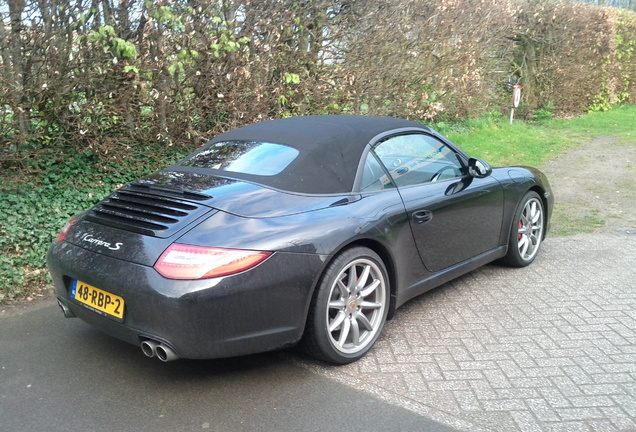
[478,168]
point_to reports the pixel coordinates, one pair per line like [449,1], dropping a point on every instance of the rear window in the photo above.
[246,157]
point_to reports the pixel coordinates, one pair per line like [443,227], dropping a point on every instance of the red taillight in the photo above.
[181,261]
[65,230]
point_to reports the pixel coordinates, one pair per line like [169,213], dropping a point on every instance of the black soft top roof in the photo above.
[329,148]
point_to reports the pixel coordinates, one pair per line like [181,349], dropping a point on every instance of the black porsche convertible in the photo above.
[308,229]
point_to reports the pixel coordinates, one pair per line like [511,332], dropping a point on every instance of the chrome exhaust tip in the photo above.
[68,313]
[149,348]
[165,353]
[152,348]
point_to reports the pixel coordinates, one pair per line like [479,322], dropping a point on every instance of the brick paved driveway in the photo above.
[551,347]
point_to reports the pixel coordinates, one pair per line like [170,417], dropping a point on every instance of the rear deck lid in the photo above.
[149,209]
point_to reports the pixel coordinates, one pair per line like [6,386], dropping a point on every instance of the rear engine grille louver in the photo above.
[147,210]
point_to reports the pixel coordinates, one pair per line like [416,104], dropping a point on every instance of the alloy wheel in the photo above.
[356,306]
[530,229]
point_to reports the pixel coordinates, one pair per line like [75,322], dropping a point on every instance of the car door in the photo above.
[453,216]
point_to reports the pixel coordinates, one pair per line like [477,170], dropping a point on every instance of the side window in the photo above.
[373,176]
[418,158]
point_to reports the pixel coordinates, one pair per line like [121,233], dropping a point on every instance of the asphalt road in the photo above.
[59,374]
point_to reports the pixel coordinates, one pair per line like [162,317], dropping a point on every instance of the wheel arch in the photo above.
[546,217]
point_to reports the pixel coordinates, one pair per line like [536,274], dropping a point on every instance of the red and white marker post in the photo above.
[516,98]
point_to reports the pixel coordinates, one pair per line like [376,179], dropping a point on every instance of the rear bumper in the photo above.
[259,310]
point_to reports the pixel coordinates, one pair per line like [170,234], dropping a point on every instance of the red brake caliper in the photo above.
[520,226]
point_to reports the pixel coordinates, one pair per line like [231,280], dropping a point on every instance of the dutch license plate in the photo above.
[98,299]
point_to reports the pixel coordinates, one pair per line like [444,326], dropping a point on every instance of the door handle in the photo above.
[423,216]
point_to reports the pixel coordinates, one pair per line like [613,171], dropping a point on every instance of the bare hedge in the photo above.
[106,75]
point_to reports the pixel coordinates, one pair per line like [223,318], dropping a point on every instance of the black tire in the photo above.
[346,318]
[526,233]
